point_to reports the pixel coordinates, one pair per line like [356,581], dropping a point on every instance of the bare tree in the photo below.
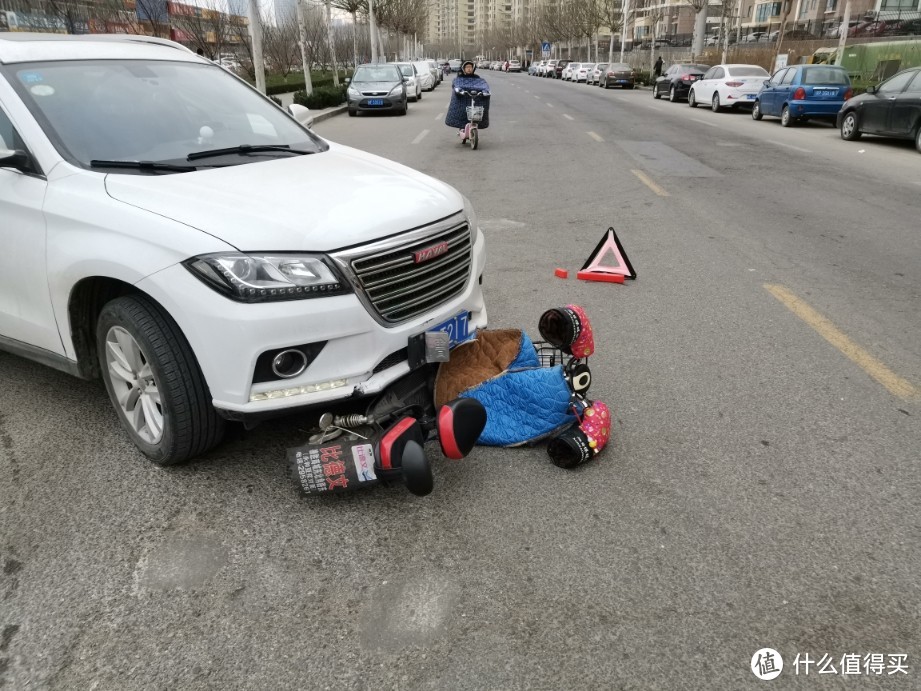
[700,26]
[153,16]
[353,7]
[73,15]
[279,43]
[205,27]
[612,16]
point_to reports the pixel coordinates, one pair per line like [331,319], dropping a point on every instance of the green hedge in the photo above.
[296,86]
[322,97]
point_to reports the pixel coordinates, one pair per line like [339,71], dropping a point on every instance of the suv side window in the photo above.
[8,136]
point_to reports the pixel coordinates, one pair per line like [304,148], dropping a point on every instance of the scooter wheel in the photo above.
[474,139]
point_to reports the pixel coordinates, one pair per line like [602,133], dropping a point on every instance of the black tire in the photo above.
[404,109]
[606,85]
[786,120]
[190,424]
[918,139]
[715,103]
[672,95]
[352,112]
[692,100]
[756,111]
[419,97]
[474,139]
[850,127]
[655,92]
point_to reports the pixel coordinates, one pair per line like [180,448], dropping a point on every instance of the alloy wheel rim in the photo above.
[136,389]
[848,126]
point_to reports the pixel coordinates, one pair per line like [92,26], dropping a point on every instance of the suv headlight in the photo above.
[268,277]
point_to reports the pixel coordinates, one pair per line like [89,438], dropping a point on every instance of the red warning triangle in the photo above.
[608,259]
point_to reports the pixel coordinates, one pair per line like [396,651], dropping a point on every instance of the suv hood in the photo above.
[319,202]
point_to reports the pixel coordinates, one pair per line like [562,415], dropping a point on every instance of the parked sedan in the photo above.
[728,86]
[595,76]
[376,87]
[677,81]
[411,78]
[557,71]
[619,74]
[581,74]
[892,109]
[803,91]
[566,74]
[425,75]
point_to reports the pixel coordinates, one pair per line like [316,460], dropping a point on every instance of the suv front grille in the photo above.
[399,288]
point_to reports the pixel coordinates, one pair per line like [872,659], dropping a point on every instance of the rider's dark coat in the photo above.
[457,111]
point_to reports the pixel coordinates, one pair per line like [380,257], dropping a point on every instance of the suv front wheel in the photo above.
[154,381]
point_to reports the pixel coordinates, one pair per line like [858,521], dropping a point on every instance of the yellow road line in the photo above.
[894,383]
[646,180]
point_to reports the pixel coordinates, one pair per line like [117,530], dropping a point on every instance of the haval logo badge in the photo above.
[430,252]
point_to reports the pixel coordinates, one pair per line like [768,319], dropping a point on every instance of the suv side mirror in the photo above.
[15,159]
[301,114]
[872,89]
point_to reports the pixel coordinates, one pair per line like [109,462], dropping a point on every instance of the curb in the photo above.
[327,114]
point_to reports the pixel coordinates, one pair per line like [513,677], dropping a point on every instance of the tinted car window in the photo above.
[620,66]
[6,132]
[749,71]
[896,84]
[915,86]
[824,75]
[788,77]
[778,77]
[718,73]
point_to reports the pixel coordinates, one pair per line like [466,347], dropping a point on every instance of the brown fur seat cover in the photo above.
[475,362]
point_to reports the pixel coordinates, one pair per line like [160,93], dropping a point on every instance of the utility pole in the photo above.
[842,32]
[255,30]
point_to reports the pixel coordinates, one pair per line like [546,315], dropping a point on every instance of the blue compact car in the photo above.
[802,92]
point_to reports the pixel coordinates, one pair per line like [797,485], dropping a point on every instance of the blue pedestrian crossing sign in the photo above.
[545,49]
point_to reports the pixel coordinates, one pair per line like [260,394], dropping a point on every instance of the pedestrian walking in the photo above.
[657,68]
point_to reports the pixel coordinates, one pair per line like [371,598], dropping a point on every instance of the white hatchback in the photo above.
[171,230]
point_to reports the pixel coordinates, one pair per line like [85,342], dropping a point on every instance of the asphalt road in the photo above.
[761,488]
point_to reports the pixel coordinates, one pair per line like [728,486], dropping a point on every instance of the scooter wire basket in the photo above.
[475,113]
[549,355]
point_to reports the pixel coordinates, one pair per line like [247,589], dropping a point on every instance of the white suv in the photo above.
[168,228]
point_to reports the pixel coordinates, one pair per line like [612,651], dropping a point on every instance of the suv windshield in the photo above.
[152,111]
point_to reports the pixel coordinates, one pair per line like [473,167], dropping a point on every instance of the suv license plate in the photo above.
[456,328]
[375,101]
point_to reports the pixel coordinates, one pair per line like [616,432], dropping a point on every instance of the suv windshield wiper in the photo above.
[246,149]
[143,165]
